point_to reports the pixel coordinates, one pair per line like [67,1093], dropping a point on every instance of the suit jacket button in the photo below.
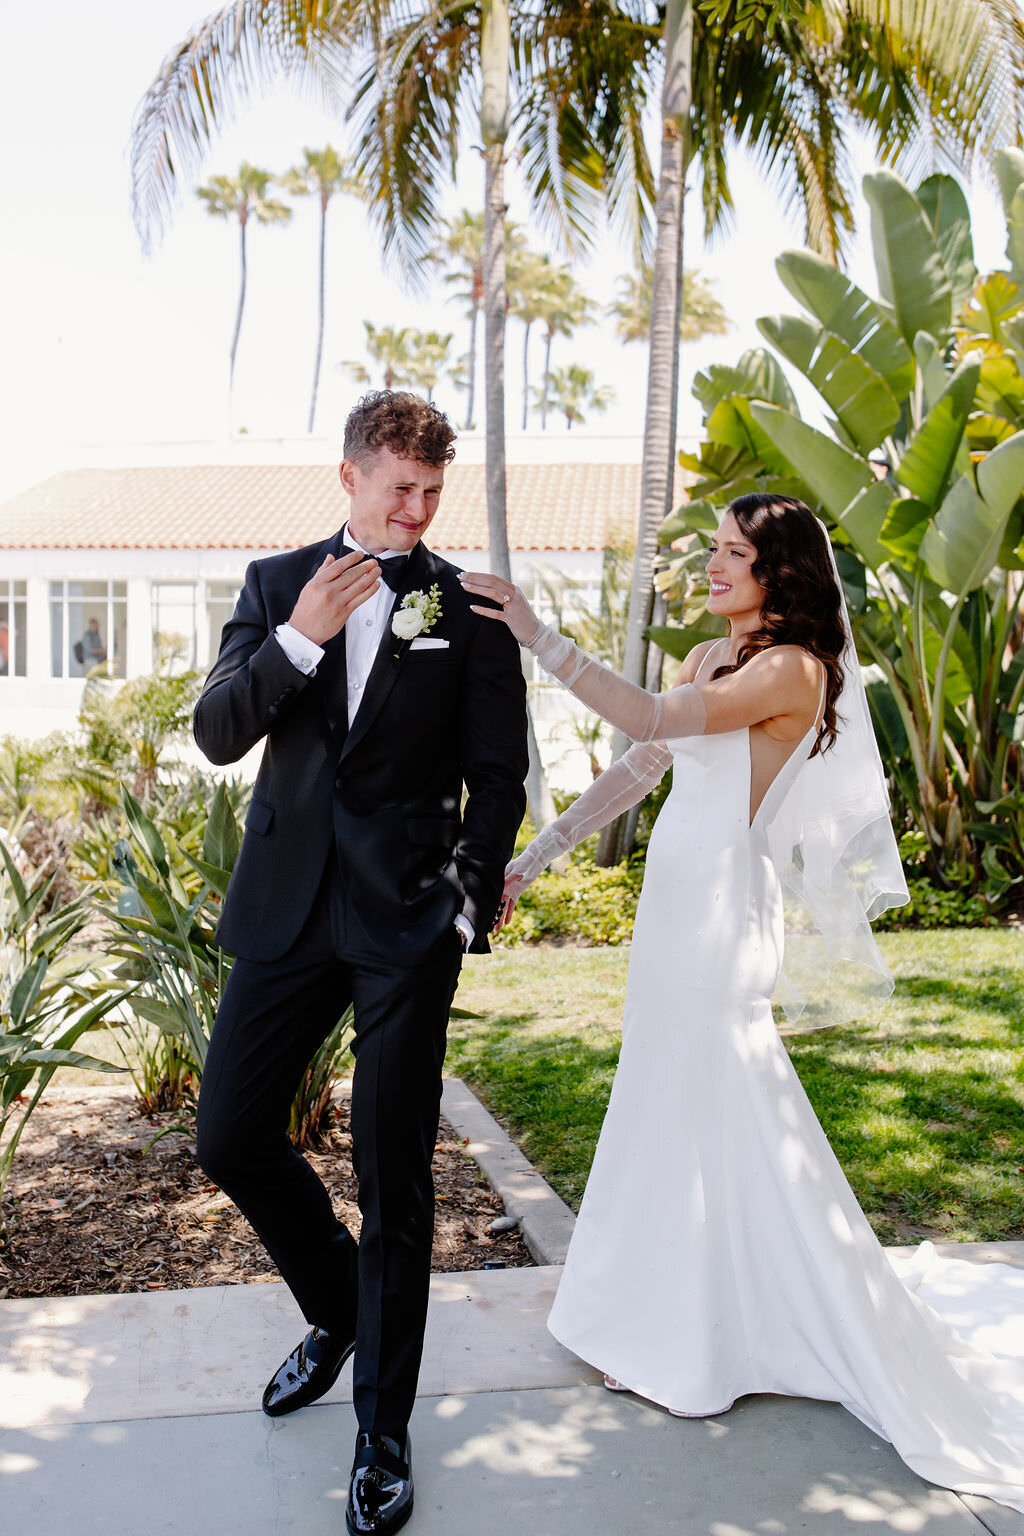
[339,782]
[272,710]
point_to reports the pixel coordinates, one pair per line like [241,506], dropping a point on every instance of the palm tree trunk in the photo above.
[241,303]
[471,371]
[547,379]
[526,371]
[659,455]
[495,46]
[319,314]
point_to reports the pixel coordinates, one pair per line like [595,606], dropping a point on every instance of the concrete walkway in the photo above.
[138,1415]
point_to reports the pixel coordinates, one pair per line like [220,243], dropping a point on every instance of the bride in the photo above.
[719,1250]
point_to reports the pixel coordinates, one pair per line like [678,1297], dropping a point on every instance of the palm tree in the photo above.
[463,243]
[429,358]
[324,174]
[244,197]
[563,306]
[571,389]
[389,346]
[529,278]
[406,357]
[702,314]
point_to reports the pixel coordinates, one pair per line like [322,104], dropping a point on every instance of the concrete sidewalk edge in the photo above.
[545,1220]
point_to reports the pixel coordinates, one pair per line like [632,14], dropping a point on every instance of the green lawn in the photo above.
[924,1104]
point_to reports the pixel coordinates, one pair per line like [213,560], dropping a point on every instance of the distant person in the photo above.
[90,650]
[364,874]
[719,1250]
[5,649]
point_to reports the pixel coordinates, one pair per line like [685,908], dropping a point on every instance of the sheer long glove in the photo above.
[641,715]
[616,790]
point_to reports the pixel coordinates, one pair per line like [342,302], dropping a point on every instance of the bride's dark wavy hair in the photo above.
[802,604]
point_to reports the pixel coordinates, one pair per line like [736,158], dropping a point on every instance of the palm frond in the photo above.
[407,106]
[215,70]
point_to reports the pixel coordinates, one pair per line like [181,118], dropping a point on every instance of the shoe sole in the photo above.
[291,1406]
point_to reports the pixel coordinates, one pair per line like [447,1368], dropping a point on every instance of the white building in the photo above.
[113,564]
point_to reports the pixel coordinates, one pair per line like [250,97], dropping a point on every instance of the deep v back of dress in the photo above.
[719,1250]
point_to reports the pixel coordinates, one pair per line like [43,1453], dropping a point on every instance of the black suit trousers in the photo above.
[273,1018]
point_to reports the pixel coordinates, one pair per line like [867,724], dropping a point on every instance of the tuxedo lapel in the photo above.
[388,660]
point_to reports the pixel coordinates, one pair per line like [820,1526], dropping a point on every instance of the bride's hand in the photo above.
[515,885]
[512,605]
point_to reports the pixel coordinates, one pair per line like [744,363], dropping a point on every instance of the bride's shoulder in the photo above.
[790,664]
[692,662]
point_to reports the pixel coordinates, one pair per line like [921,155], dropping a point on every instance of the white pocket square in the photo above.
[429,645]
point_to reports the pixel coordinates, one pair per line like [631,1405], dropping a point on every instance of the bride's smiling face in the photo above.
[734,593]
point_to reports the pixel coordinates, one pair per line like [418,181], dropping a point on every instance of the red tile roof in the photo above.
[280,506]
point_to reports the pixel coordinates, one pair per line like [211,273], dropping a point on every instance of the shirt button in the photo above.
[368,623]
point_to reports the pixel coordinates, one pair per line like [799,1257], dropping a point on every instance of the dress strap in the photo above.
[708,655]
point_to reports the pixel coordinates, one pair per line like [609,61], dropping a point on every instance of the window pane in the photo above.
[221,597]
[174,625]
[87,627]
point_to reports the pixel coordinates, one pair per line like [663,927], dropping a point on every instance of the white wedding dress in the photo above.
[719,1250]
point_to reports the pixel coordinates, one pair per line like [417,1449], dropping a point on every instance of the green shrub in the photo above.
[931,907]
[586,905]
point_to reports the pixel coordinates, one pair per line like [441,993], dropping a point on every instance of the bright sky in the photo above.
[104,348]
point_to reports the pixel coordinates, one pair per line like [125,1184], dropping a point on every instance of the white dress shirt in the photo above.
[363,631]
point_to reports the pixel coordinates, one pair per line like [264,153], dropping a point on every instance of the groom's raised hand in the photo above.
[332,594]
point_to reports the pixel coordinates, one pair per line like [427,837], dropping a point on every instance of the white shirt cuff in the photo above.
[302,653]
[465,927]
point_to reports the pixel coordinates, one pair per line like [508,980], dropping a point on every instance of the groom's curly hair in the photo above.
[802,603]
[409,426]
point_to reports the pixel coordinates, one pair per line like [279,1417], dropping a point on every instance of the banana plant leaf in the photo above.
[864,405]
[905,525]
[834,474]
[678,641]
[947,212]
[848,312]
[937,449]
[911,274]
[962,544]
[756,374]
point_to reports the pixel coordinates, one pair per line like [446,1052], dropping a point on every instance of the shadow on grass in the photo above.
[924,1121]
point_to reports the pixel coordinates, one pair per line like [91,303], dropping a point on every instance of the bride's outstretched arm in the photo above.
[616,790]
[641,715]
[781,683]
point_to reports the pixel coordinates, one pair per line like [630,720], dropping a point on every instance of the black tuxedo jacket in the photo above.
[385,799]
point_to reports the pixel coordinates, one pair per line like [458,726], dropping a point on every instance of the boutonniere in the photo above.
[419,612]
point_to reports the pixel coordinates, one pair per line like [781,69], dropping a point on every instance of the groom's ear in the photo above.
[348,471]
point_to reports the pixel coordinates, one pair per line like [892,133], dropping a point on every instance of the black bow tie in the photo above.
[391,570]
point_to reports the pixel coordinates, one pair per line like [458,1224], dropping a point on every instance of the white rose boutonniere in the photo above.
[419,612]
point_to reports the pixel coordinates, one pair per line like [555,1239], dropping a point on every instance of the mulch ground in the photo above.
[90,1211]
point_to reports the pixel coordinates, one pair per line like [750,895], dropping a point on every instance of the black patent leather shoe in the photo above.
[380,1492]
[309,1372]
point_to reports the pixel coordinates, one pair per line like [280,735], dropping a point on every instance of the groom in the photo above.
[364,874]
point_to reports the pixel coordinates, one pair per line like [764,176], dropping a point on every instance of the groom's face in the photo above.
[392,500]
